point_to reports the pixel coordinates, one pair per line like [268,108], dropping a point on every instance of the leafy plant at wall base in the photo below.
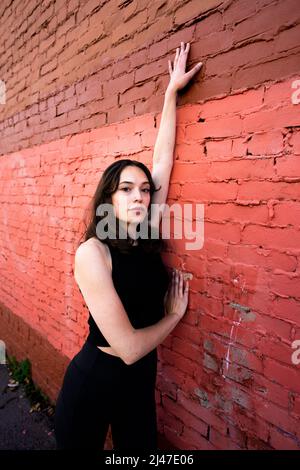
[21,372]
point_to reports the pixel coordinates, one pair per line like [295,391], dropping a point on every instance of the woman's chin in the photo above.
[136,219]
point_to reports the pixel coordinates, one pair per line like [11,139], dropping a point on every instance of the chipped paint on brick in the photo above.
[208,345]
[240,397]
[203,397]
[209,362]
[225,405]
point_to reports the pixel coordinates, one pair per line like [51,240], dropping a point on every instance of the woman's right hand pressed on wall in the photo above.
[176,298]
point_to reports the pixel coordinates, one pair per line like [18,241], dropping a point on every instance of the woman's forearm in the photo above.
[179,78]
[146,339]
[165,141]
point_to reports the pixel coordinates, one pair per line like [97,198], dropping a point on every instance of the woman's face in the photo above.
[132,198]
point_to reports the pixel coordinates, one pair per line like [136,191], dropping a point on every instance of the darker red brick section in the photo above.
[50,96]
[22,341]
[48,364]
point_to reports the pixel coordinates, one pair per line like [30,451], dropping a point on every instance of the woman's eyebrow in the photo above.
[131,182]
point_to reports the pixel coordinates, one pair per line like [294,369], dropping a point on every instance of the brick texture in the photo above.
[84,86]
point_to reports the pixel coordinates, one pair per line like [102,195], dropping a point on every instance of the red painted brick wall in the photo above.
[84,85]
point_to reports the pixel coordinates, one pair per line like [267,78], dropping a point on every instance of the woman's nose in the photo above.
[138,195]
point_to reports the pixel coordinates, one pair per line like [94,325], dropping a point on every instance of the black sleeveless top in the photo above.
[141,281]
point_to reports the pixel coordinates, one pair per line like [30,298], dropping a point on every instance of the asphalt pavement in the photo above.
[21,427]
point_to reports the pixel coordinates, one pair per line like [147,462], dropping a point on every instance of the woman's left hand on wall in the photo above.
[179,78]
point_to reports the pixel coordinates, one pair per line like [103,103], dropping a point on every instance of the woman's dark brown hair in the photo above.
[107,185]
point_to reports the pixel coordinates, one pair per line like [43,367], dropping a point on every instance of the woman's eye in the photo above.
[146,189]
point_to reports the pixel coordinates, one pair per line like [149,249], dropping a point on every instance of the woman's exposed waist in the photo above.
[108,350]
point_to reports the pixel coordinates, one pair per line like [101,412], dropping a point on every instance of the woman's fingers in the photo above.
[186,289]
[181,51]
[173,283]
[176,57]
[178,284]
[194,70]
[181,284]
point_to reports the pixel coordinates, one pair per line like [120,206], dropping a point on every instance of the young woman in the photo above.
[133,304]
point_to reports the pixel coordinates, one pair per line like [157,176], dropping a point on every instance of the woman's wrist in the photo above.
[172,312]
[170,91]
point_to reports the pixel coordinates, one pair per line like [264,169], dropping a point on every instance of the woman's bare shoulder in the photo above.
[94,245]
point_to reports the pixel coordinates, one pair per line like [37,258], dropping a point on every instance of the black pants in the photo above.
[99,390]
